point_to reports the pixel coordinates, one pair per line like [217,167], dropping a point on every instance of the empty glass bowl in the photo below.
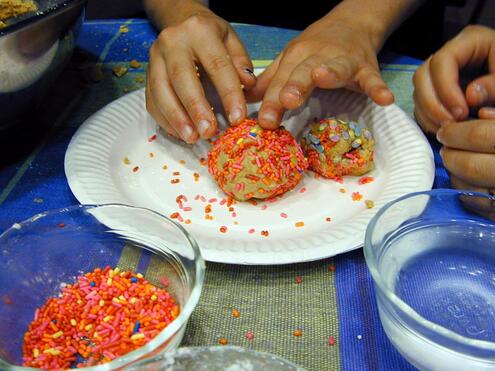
[39,255]
[432,258]
[216,358]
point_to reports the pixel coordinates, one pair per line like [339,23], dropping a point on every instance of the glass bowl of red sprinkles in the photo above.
[95,287]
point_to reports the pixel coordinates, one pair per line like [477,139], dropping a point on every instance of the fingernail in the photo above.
[269,116]
[294,93]
[186,132]
[235,115]
[457,112]
[439,136]
[250,72]
[481,92]
[203,127]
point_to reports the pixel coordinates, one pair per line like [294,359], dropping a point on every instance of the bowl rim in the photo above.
[37,16]
[390,295]
[174,326]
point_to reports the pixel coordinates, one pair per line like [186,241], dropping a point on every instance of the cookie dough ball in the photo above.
[335,148]
[250,162]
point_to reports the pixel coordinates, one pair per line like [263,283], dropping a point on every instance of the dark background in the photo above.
[423,33]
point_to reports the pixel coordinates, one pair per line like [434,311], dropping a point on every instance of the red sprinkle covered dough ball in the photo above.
[250,162]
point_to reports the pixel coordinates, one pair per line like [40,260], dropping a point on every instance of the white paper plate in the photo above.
[97,174]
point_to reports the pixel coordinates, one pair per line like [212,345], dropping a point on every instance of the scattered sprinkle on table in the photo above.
[119,71]
[303,189]
[297,333]
[331,341]
[236,313]
[151,154]
[38,200]
[298,279]
[127,161]
[164,167]
[359,337]
[152,138]
[265,233]
[249,335]
[251,230]
[103,315]
[283,215]
[175,181]
[123,29]
[135,169]
[342,190]
[331,267]
[223,341]
[328,219]
[299,224]
[134,64]
[182,162]
[223,229]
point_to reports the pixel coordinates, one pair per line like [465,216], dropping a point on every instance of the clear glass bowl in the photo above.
[216,358]
[53,248]
[432,259]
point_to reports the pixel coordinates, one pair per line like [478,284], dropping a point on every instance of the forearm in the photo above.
[165,13]
[378,18]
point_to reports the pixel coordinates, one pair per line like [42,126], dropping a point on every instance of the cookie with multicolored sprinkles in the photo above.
[250,162]
[336,148]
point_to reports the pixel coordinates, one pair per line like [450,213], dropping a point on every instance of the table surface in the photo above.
[327,302]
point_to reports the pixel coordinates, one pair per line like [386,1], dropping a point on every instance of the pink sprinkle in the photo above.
[249,335]
[283,215]
[234,215]
[251,231]
[237,187]
[211,200]
[184,198]
[264,207]
[108,354]
[72,349]
[258,162]
[237,166]
[331,341]
[187,208]
[303,189]
[203,198]
[197,197]
[180,205]
[298,279]
[285,158]
[223,201]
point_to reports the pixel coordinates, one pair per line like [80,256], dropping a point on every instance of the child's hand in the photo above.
[174,94]
[328,54]
[438,95]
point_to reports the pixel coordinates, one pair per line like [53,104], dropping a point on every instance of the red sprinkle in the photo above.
[61,225]
[283,215]
[175,181]
[331,341]
[365,180]
[298,279]
[265,233]
[328,219]
[251,231]
[303,189]
[135,169]
[223,229]
[331,267]
[152,138]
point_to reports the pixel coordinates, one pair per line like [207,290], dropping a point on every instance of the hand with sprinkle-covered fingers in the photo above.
[443,105]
